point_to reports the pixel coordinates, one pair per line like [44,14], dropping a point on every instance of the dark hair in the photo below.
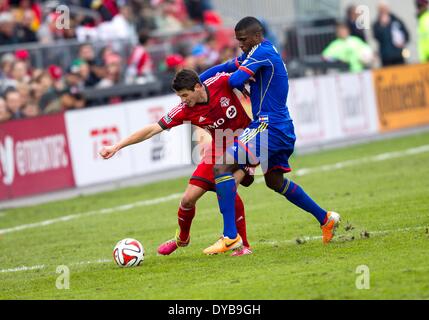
[8,91]
[247,23]
[185,80]
[144,37]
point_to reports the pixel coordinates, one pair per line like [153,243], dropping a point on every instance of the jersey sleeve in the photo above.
[256,59]
[228,67]
[174,118]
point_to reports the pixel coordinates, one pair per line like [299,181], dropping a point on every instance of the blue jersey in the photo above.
[270,138]
[269,92]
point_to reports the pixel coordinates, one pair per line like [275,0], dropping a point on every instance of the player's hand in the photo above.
[107,152]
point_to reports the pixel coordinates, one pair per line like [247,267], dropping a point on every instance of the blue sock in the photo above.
[298,197]
[226,191]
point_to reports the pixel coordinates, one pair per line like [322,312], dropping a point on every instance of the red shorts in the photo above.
[203,177]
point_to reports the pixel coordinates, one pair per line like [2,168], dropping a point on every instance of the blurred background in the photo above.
[60,56]
[134,47]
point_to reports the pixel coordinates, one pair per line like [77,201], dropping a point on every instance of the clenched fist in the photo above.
[108,151]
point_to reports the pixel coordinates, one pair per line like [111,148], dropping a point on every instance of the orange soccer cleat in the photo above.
[328,229]
[224,244]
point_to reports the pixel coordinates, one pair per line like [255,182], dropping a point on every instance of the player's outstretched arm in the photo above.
[143,134]
[227,67]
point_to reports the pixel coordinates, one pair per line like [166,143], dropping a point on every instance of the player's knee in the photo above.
[187,202]
[273,185]
[220,169]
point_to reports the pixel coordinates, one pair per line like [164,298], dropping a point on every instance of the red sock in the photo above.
[240,220]
[185,216]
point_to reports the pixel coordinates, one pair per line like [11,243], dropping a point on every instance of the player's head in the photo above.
[188,87]
[249,33]
[422,5]
[343,31]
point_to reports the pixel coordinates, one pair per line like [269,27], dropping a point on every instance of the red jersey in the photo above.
[222,115]
[222,111]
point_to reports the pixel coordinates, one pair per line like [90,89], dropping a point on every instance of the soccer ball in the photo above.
[128,253]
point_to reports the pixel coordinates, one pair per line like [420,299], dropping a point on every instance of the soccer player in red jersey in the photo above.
[212,106]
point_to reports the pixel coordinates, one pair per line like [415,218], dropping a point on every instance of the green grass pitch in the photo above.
[384,204]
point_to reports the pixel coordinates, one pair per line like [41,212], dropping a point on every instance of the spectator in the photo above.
[120,28]
[8,34]
[166,20]
[73,80]
[87,30]
[48,32]
[177,8]
[348,49]
[146,19]
[24,56]
[56,74]
[351,21]
[48,87]
[20,72]
[24,91]
[140,63]
[31,109]
[114,71]
[205,55]
[174,63]
[423,16]
[36,91]
[6,63]
[28,9]
[69,99]
[96,71]
[5,115]
[197,8]
[14,103]
[25,30]
[392,36]
[107,8]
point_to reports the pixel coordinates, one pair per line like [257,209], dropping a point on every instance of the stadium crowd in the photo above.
[28,90]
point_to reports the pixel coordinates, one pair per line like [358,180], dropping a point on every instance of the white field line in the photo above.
[125,207]
[306,238]
[42,266]
[301,172]
[356,162]
[22,268]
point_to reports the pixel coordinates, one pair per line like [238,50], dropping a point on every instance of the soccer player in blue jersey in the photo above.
[269,139]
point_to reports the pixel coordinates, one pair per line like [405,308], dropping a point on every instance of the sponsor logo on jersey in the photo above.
[231,113]
[224,102]
[202,119]
[167,119]
[216,124]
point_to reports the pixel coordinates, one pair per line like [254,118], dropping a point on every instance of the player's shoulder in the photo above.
[178,110]
[218,79]
[261,50]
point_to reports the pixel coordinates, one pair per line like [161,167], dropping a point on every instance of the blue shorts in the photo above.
[269,145]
